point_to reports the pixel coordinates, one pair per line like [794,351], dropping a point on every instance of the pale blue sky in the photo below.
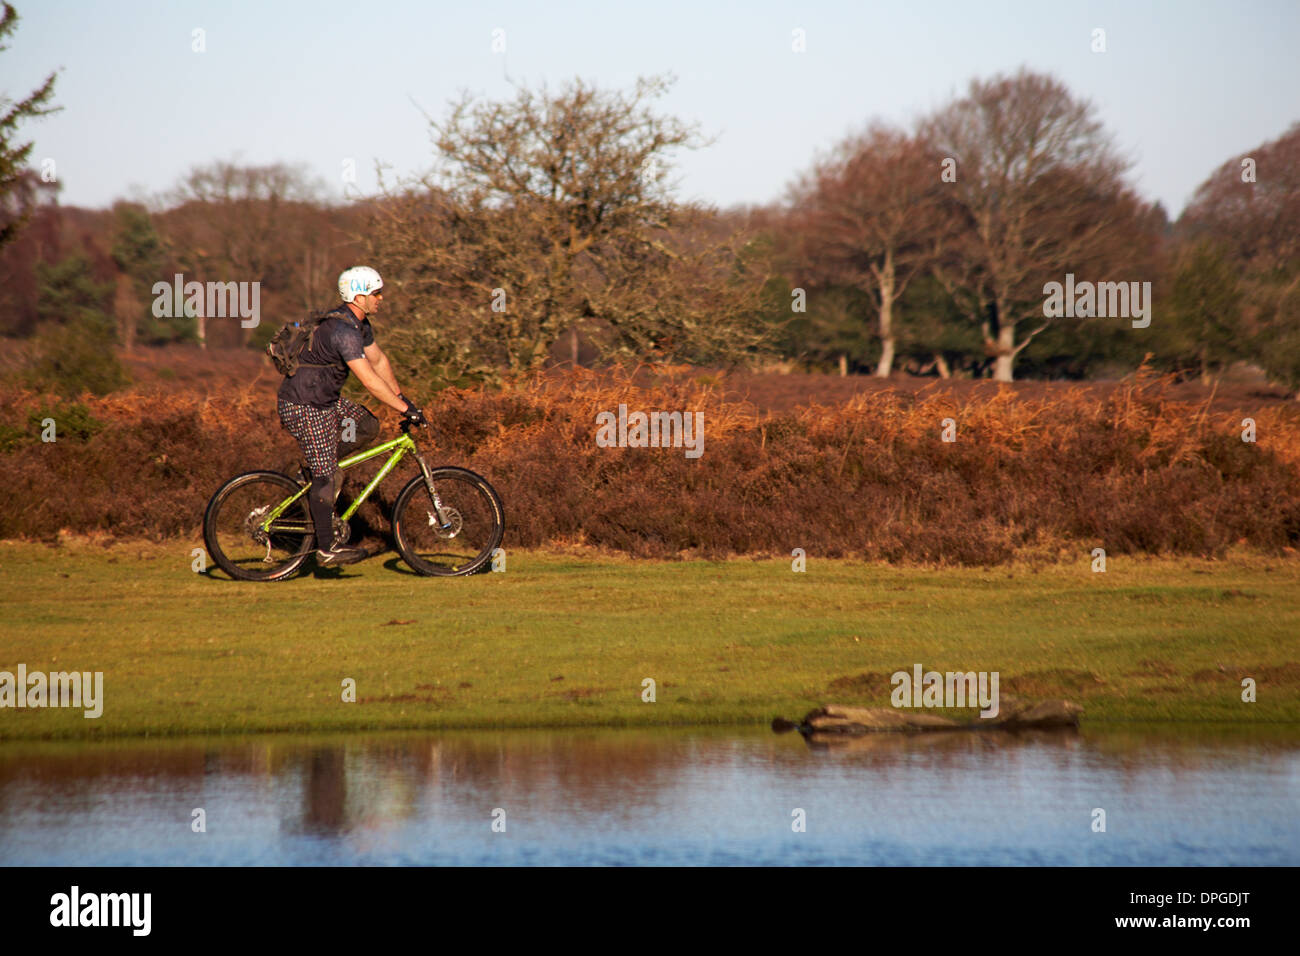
[1183,86]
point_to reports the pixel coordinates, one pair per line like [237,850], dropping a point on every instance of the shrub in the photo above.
[73,423]
[73,349]
[75,357]
[1131,471]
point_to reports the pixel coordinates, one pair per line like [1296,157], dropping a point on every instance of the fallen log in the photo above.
[1013,714]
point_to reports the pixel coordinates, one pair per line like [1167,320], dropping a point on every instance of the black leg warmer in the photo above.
[320,499]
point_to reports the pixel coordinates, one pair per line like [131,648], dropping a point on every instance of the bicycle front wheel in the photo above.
[233,527]
[474,525]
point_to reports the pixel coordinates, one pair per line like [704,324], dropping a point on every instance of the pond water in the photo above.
[1174,795]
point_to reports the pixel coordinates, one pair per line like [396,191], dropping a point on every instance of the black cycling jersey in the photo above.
[338,341]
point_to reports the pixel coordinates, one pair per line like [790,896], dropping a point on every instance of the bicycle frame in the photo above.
[399,447]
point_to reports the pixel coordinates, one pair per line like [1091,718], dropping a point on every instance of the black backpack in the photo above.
[293,339]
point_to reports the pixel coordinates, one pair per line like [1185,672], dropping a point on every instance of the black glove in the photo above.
[413,414]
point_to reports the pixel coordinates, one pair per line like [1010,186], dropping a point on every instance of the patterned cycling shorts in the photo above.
[318,429]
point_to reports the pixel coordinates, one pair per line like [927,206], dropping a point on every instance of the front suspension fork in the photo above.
[443,522]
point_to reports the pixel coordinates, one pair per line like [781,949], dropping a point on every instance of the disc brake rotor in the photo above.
[454,523]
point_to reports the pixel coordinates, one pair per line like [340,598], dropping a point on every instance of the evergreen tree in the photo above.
[140,254]
[16,185]
[75,343]
[1205,311]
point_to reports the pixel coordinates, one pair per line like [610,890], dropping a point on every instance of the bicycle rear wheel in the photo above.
[234,536]
[476,523]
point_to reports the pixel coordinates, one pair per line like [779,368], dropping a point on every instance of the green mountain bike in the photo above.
[446,522]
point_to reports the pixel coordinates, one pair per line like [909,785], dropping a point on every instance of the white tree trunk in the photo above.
[886,363]
[127,308]
[1006,353]
[886,357]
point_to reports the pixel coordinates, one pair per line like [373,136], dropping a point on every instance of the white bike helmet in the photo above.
[359,280]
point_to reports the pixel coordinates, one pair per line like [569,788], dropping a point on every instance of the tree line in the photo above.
[549,229]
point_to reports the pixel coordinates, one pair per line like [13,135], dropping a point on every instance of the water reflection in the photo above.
[1192,796]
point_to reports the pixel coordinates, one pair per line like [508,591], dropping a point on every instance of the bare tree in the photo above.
[1041,189]
[265,224]
[1250,209]
[554,210]
[870,216]
[1251,206]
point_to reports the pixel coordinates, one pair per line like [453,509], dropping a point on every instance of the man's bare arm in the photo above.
[381,365]
[369,377]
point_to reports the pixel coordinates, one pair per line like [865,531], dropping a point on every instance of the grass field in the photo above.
[564,641]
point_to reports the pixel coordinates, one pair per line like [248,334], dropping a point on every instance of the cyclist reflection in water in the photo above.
[313,411]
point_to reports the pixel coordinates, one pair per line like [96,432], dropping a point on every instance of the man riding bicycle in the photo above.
[313,411]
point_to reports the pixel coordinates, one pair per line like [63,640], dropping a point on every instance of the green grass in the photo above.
[562,641]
